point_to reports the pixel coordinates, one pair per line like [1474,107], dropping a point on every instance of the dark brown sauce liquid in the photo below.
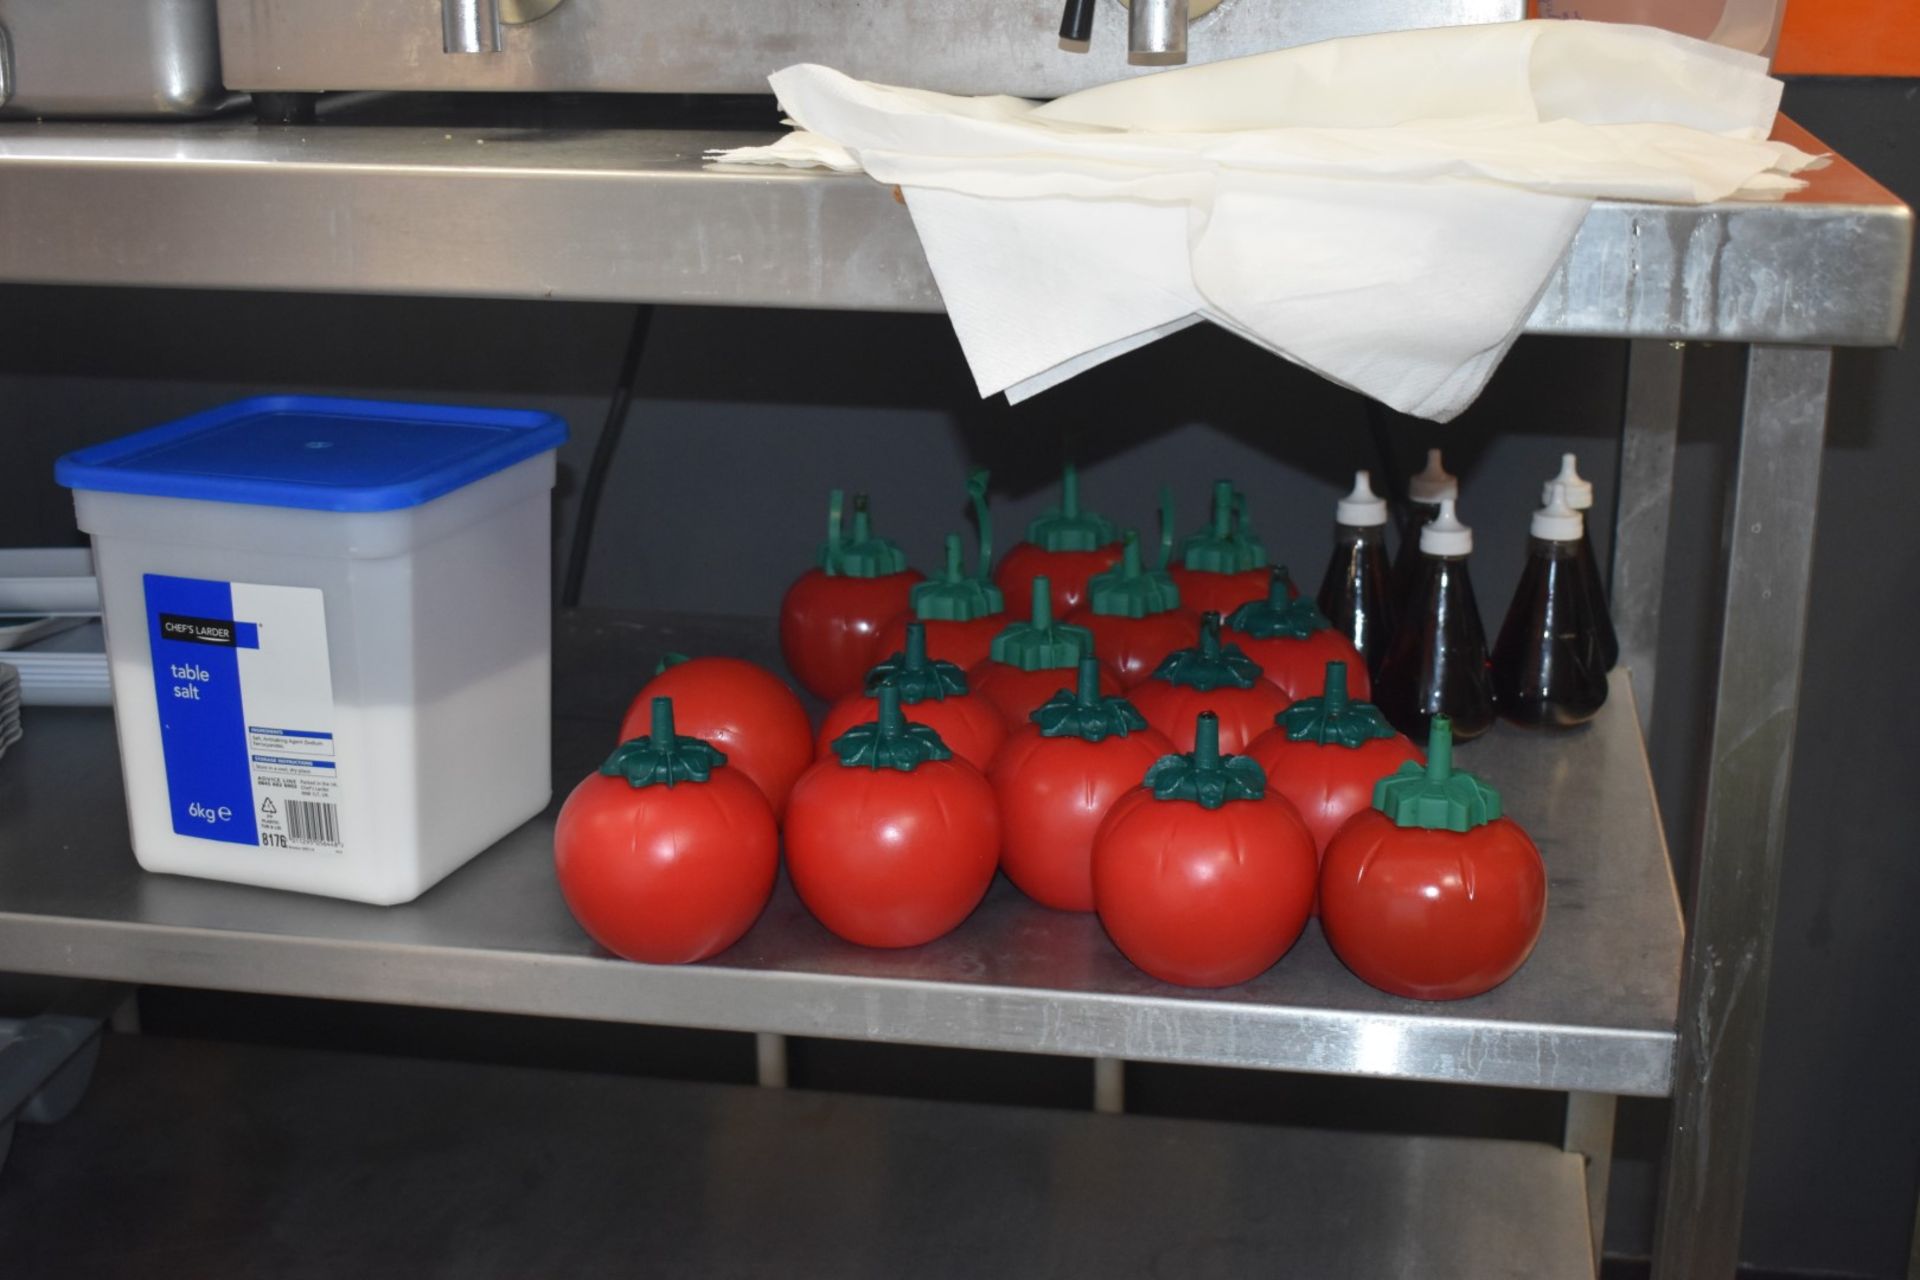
[1407,564]
[1437,664]
[1547,665]
[1357,592]
[1597,604]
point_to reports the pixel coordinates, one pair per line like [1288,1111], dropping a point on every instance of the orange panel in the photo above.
[1850,38]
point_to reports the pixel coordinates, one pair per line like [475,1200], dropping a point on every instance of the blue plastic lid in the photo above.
[315,452]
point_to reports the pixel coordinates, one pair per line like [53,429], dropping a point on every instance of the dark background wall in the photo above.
[743,420]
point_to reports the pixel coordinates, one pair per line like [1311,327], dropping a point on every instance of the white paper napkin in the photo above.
[1384,209]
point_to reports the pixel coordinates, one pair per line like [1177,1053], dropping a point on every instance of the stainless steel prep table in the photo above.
[458,212]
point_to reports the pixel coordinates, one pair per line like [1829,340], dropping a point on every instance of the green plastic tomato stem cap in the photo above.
[982,516]
[1333,688]
[1436,797]
[670,659]
[1278,616]
[890,741]
[663,756]
[1129,590]
[1041,644]
[1206,740]
[955,597]
[1205,775]
[1333,719]
[958,596]
[1068,528]
[1084,713]
[913,675]
[862,555]
[1209,665]
[1224,546]
[1166,526]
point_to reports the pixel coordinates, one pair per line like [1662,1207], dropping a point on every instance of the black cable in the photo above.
[603,451]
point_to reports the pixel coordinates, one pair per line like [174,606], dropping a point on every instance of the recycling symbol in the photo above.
[266,806]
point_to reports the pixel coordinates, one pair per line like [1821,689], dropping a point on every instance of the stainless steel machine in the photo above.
[79,58]
[729,46]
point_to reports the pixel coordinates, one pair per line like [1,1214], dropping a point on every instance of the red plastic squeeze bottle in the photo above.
[1068,545]
[1432,893]
[1216,677]
[1438,663]
[1292,640]
[1425,492]
[962,612]
[1135,614]
[1356,593]
[1222,566]
[1547,667]
[831,613]
[1033,660]
[932,692]
[1580,498]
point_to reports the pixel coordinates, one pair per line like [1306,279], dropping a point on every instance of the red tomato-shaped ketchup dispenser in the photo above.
[1067,546]
[963,613]
[1215,677]
[933,693]
[892,842]
[1325,754]
[831,613]
[1431,893]
[1292,640]
[739,707]
[1055,781]
[1033,660]
[666,855]
[1222,566]
[1201,875]
[1135,616]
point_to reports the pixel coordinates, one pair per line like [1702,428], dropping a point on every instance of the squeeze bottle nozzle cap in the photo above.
[1558,521]
[1579,490]
[1434,483]
[1362,507]
[1444,535]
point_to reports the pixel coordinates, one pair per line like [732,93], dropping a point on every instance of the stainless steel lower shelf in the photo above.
[1593,1010]
[192,1159]
[636,215]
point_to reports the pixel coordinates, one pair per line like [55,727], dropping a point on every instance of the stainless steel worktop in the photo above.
[638,215]
[1593,1010]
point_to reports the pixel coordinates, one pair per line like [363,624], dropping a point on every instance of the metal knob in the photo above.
[1157,31]
[470,26]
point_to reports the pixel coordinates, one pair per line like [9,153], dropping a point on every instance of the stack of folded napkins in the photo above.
[1383,209]
[9,707]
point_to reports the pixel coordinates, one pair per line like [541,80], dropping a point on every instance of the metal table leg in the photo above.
[1643,505]
[1109,1086]
[1736,875]
[770,1059]
[1589,1132]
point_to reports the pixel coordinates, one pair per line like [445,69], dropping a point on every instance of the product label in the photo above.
[246,711]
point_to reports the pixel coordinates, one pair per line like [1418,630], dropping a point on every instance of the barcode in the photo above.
[309,820]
